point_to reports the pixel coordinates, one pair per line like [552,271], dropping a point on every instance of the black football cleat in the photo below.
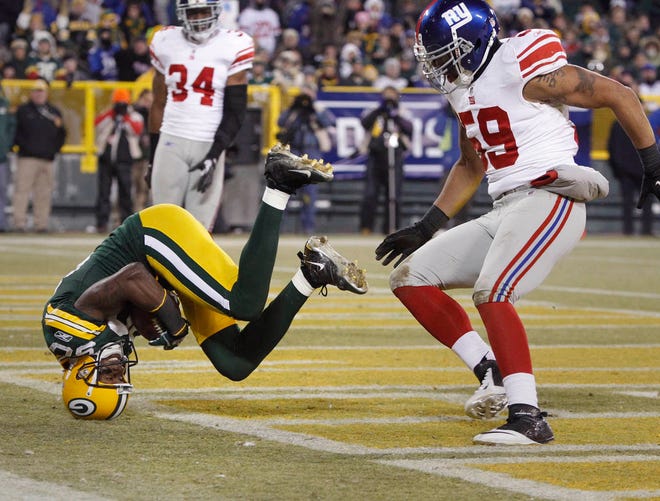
[525,426]
[322,265]
[287,172]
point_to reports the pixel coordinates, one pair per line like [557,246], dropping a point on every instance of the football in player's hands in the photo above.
[143,323]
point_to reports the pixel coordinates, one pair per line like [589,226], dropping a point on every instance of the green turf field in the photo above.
[358,402]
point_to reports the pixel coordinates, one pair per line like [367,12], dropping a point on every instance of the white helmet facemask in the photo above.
[199,18]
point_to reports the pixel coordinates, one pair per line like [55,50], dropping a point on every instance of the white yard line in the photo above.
[26,489]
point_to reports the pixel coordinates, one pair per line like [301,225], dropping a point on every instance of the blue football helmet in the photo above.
[453,40]
[199,27]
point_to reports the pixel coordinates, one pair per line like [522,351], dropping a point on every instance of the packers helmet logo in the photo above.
[81,407]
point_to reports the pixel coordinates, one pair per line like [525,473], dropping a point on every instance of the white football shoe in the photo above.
[490,398]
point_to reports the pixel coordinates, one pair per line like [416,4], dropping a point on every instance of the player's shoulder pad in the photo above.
[537,52]
[238,37]
[166,33]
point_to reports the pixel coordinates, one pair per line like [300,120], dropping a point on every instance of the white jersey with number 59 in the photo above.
[195,75]
[518,140]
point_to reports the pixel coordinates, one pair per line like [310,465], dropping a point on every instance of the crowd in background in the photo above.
[312,44]
[320,42]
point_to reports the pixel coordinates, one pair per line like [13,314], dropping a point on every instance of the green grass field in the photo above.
[358,402]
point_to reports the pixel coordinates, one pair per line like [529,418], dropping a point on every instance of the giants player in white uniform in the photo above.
[200,99]
[511,98]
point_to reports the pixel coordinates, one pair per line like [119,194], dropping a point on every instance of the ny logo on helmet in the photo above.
[457,16]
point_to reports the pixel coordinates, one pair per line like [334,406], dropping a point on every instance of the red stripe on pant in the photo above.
[540,253]
[524,249]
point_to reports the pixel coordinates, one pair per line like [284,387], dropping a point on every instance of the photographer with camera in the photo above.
[388,134]
[118,133]
[305,130]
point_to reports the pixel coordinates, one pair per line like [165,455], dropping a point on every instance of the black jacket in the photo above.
[386,118]
[36,133]
[624,159]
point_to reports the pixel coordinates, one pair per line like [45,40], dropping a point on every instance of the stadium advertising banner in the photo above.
[434,145]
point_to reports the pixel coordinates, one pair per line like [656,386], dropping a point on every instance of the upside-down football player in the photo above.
[511,97]
[163,252]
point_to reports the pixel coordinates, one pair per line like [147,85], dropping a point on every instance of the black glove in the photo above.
[207,166]
[407,240]
[650,158]
[650,184]
[169,341]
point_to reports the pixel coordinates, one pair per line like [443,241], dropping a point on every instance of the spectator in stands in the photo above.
[9,11]
[135,20]
[382,50]
[651,48]
[392,76]
[164,12]
[357,76]
[72,70]
[325,26]
[101,59]
[19,58]
[42,62]
[649,87]
[397,36]
[617,24]
[304,128]
[40,136]
[262,23]
[259,74]
[7,131]
[380,19]
[290,41]
[299,20]
[118,131]
[409,14]
[408,68]
[288,70]
[328,74]
[134,60]
[36,14]
[627,169]
[388,134]
[348,13]
[348,53]
[110,21]
[79,23]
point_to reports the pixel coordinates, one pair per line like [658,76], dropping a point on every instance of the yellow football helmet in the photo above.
[85,393]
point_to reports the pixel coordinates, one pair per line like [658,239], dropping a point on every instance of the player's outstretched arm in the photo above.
[575,86]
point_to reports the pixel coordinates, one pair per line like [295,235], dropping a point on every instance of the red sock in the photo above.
[439,314]
[507,337]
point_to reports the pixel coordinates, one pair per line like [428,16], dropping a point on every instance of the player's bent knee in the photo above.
[489,296]
[235,374]
[481,297]
[400,277]
[246,312]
